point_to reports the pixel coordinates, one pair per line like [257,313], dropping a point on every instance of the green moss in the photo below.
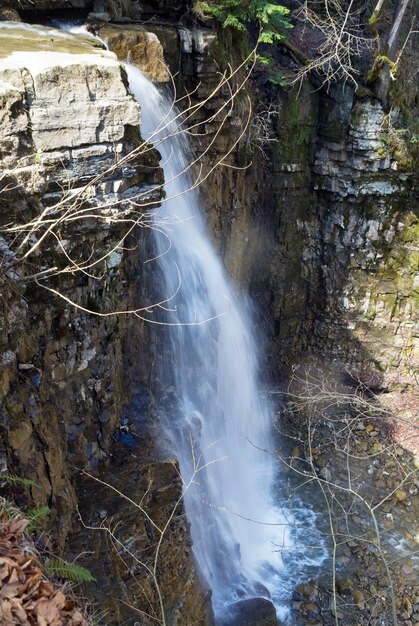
[414,261]
[124,75]
[388,273]
[410,232]
[394,280]
[373,19]
[133,136]
[93,305]
[391,302]
[380,61]
[404,160]
[336,130]
[384,60]
[295,133]
[370,312]
[229,45]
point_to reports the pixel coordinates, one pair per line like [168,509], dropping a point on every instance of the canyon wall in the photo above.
[70,368]
[316,220]
[344,277]
[314,211]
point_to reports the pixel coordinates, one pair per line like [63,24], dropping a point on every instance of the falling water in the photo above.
[219,426]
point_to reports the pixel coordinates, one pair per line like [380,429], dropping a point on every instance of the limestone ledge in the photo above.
[357,163]
[143,49]
[56,105]
[68,128]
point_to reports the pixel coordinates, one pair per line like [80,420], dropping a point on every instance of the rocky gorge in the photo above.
[316,221]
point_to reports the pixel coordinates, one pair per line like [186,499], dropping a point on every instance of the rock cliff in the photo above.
[315,219]
[75,170]
[348,288]
[313,210]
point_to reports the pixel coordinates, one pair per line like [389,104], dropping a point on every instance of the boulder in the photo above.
[139,47]
[9,15]
[250,612]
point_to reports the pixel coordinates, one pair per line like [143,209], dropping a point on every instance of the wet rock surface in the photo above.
[251,612]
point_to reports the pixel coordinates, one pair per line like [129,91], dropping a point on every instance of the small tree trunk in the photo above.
[375,14]
[395,28]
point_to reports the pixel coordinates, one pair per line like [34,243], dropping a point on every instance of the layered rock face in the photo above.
[370,231]
[72,167]
[348,288]
[46,127]
[49,155]
[322,227]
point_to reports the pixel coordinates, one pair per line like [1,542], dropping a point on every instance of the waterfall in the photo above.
[216,422]
[219,426]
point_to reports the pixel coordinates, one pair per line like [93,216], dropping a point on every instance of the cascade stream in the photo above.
[219,425]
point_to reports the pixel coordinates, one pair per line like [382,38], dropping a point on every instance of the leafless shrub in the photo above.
[262,133]
[342,439]
[343,39]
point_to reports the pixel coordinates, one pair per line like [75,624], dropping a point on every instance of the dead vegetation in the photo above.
[27,598]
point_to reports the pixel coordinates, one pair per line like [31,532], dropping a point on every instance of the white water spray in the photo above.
[217,418]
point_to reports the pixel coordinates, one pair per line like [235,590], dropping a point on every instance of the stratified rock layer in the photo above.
[71,155]
[347,287]
[323,226]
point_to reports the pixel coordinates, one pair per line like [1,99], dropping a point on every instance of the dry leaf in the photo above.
[26,599]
